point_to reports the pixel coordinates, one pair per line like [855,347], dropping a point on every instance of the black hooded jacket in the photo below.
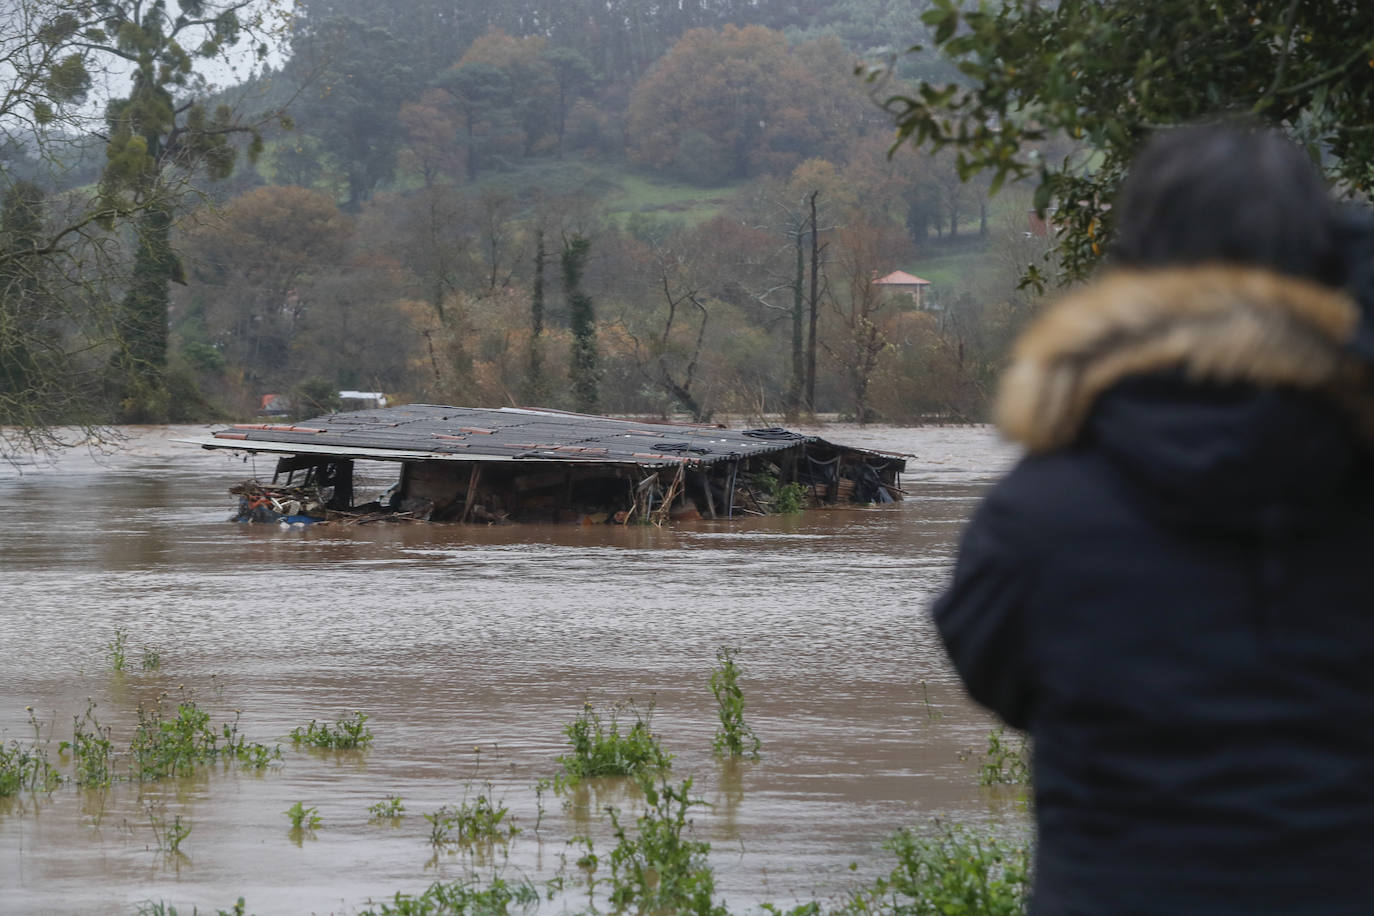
[1173,594]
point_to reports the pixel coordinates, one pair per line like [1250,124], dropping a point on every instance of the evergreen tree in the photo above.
[536,387]
[581,316]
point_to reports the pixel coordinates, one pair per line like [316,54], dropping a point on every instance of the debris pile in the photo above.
[265,503]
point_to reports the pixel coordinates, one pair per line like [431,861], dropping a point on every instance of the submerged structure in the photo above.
[512,464]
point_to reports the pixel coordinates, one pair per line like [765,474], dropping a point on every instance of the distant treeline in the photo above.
[624,206]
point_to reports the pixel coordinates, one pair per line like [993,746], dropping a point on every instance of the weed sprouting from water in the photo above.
[389,808]
[169,834]
[151,659]
[540,788]
[161,908]
[345,734]
[91,749]
[659,869]
[303,819]
[952,872]
[483,820]
[734,738]
[599,749]
[460,899]
[1007,761]
[26,767]
[115,652]
[932,714]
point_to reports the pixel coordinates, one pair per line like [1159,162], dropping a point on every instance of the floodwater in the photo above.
[470,648]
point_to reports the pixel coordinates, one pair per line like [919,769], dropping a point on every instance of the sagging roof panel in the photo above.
[481,434]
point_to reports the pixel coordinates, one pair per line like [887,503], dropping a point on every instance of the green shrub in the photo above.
[599,749]
[658,869]
[165,746]
[951,872]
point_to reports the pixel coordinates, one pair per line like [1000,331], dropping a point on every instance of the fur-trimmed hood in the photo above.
[1217,324]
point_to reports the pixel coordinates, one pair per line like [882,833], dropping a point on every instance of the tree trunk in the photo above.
[815,311]
[794,389]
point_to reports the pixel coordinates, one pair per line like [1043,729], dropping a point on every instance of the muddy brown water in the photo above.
[470,648]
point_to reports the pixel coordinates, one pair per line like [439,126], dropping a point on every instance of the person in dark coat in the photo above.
[1173,591]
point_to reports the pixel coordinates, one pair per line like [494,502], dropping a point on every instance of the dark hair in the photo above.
[1233,193]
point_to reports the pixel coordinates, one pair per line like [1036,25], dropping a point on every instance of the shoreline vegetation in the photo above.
[652,861]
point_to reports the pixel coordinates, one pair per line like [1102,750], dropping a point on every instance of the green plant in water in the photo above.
[161,908]
[303,818]
[457,898]
[952,872]
[151,659]
[659,869]
[1007,761]
[345,734]
[26,767]
[734,738]
[481,820]
[91,750]
[115,650]
[599,749]
[389,807]
[166,746]
[540,787]
[169,834]
[933,714]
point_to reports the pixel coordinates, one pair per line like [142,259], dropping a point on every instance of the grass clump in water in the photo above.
[599,749]
[91,749]
[388,808]
[25,768]
[303,819]
[659,869]
[346,734]
[952,872]
[1007,761]
[169,834]
[175,745]
[457,898]
[116,650]
[482,820]
[734,738]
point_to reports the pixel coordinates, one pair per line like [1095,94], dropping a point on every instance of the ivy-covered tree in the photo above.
[536,390]
[1108,74]
[158,134]
[584,369]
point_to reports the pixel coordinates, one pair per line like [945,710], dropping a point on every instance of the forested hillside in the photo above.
[627,207]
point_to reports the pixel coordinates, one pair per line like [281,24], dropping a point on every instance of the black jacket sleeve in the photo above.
[981,617]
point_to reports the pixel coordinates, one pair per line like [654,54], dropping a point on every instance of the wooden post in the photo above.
[730,493]
[473,478]
[710,500]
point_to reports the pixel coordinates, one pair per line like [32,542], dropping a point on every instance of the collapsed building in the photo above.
[464,464]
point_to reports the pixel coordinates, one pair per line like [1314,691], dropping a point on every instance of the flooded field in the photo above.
[470,648]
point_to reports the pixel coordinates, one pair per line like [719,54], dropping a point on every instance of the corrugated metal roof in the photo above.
[435,432]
